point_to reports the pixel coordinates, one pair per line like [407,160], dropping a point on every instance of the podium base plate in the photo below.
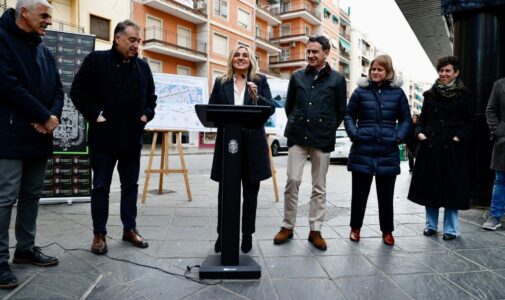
[248,268]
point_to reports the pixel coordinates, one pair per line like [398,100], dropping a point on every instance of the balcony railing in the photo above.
[285,9]
[345,34]
[175,41]
[292,32]
[287,59]
[64,26]
[265,37]
[344,54]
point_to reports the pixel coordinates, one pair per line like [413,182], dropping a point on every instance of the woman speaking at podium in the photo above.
[242,86]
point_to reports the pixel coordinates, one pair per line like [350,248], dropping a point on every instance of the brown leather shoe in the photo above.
[388,238]
[135,238]
[99,245]
[354,235]
[317,240]
[283,236]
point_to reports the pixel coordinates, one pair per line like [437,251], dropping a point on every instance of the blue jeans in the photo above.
[498,199]
[128,167]
[450,219]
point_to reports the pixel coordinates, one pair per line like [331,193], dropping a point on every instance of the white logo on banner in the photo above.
[233,146]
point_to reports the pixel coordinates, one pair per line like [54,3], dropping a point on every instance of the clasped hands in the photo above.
[48,127]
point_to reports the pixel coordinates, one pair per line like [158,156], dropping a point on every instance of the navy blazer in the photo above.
[253,140]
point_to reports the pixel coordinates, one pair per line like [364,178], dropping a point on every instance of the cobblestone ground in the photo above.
[182,233]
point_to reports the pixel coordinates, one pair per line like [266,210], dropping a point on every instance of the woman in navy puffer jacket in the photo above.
[377,120]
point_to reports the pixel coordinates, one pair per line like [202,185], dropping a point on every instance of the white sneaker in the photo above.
[492,223]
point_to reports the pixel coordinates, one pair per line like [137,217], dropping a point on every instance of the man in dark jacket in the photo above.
[30,107]
[114,91]
[495,116]
[315,106]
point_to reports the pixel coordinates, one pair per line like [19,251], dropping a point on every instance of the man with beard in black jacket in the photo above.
[114,91]
[30,108]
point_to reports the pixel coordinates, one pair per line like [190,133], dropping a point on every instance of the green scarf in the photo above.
[450,90]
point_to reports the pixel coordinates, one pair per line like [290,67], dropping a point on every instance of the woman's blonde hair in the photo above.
[229,67]
[384,61]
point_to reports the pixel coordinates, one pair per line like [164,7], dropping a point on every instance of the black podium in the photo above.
[232,118]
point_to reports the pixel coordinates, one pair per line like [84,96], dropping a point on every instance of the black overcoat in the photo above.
[440,177]
[253,139]
[121,93]
[30,91]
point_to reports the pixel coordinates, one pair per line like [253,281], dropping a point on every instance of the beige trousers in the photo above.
[296,161]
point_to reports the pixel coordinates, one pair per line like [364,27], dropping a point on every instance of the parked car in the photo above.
[342,147]
[278,143]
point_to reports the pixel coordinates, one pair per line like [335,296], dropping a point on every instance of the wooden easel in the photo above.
[272,169]
[166,139]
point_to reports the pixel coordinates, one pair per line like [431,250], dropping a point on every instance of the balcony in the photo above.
[263,42]
[177,45]
[344,54]
[67,27]
[287,11]
[194,11]
[288,35]
[263,12]
[284,61]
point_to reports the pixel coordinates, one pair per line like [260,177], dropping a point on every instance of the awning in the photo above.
[334,18]
[326,11]
[345,44]
[342,20]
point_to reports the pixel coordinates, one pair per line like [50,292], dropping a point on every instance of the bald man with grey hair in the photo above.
[30,108]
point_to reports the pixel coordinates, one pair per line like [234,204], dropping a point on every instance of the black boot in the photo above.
[246,243]
[217,245]
[7,278]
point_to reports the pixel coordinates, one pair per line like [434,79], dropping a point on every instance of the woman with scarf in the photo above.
[440,177]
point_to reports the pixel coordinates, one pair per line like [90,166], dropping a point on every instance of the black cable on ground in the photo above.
[185,275]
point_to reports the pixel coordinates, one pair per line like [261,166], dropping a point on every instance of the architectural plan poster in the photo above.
[277,122]
[68,173]
[177,96]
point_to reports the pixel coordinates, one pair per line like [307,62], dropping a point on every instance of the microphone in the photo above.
[247,81]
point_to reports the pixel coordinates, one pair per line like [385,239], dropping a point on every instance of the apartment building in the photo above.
[362,52]
[96,17]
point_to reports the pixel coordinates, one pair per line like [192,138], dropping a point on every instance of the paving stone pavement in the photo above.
[182,234]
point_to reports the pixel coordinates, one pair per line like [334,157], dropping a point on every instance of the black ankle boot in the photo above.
[246,243]
[217,245]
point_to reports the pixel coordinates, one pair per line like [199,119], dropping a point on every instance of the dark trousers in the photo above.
[128,166]
[21,180]
[249,194]
[361,189]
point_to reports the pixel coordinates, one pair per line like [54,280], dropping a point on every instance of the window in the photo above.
[221,8]
[216,74]
[307,30]
[99,27]
[285,54]
[183,70]
[183,37]
[244,19]
[153,28]
[286,30]
[220,44]
[258,31]
[258,60]
[155,65]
